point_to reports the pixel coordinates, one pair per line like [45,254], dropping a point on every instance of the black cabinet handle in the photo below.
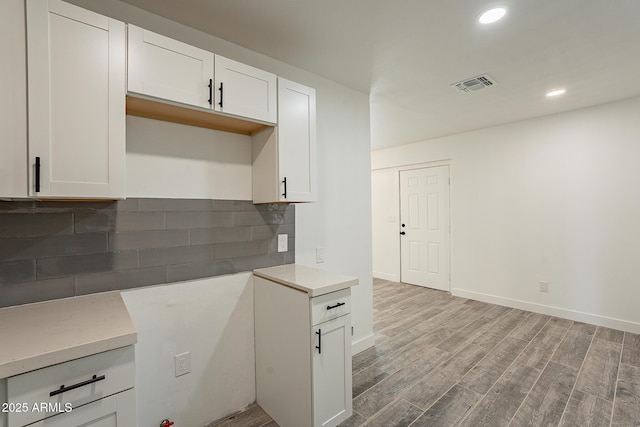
[210,91]
[37,174]
[340,304]
[221,95]
[284,181]
[403,233]
[62,388]
[319,346]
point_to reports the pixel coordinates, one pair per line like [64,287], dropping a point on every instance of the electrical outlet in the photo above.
[319,255]
[544,286]
[183,363]
[283,242]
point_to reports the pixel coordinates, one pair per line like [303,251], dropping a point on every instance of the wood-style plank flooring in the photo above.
[446,361]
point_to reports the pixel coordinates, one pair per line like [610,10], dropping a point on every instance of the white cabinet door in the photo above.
[296,141]
[284,158]
[117,410]
[168,69]
[76,96]
[13,102]
[332,372]
[245,91]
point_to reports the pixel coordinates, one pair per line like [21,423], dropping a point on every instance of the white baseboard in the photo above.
[385,276]
[362,344]
[577,316]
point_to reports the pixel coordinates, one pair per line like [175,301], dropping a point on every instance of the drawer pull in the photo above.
[319,346]
[62,388]
[340,304]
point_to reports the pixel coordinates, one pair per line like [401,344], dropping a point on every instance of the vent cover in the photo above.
[475,83]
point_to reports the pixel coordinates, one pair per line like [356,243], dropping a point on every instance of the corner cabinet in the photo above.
[76,102]
[303,355]
[284,158]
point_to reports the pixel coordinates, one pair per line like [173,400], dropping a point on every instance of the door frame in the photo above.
[427,165]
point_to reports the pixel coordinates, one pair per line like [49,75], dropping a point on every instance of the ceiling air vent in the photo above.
[475,83]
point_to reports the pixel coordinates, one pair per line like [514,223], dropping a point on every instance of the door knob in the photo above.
[402,233]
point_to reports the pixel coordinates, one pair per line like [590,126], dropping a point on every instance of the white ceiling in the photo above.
[406,53]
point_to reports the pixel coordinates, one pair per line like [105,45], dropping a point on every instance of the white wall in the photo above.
[340,221]
[177,161]
[553,198]
[213,320]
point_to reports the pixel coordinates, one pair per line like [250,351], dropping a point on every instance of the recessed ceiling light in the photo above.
[556,92]
[492,15]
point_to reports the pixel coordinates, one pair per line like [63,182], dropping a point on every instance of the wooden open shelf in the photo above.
[150,109]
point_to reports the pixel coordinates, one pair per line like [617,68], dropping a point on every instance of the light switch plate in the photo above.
[283,242]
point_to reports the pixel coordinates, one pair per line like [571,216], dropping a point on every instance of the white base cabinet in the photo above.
[96,390]
[76,97]
[303,355]
[114,411]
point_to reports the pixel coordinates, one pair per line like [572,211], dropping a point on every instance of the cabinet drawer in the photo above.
[329,306]
[35,387]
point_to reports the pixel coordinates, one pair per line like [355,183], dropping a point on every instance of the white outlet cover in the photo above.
[283,242]
[183,363]
[319,255]
[544,286]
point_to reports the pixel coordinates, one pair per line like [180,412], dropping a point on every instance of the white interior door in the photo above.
[424,227]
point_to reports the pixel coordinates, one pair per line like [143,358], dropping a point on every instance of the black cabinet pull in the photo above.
[221,95]
[319,346]
[403,233]
[62,388]
[37,174]
[340,304]
[210,91]
[284,181]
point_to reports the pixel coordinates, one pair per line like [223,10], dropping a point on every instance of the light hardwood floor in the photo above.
[446,361]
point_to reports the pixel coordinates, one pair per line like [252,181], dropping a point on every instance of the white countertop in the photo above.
[34,336]
[310,280]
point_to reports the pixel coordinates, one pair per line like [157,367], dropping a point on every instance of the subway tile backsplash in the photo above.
[52,250]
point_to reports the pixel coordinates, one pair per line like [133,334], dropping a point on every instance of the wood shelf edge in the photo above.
[150,109]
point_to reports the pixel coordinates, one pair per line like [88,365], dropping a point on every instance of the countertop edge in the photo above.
[338,282]
[17,367]
[51,332]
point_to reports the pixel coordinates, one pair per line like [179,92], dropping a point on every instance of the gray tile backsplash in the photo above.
[52,250]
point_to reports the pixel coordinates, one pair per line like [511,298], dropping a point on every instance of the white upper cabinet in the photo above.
[245,91]
[76,98]
[284,158]
[168,69]
[13,103]
[297,141]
